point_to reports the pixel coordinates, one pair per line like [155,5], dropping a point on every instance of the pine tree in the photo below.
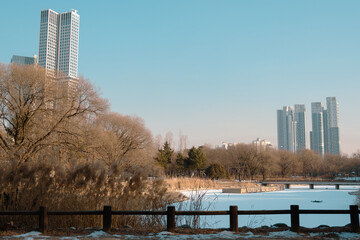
[196,159]
[164,155]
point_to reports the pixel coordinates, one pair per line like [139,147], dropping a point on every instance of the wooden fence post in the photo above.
[170,219]
[234,219]
[354,218]
[295,218]
[107,218]
[43,220]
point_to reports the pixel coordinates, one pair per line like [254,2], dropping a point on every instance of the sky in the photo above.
[214,70]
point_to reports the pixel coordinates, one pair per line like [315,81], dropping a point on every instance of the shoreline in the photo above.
[177,187]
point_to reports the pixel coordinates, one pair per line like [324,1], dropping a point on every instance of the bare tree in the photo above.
[169,137]
[182,142]
[35,111]
[268,163]
[245,160]
[311,162]
[121,135]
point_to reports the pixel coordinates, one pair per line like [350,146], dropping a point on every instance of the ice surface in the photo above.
[280,200]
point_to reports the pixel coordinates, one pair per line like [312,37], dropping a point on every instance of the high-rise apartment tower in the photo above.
[286,126]
[59,43]
[300,119]
[325,133]
[332,139]
[317,133]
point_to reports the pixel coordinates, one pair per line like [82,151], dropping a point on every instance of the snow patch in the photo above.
[97,234]
[29,235]
[348,235]
[285,234]
[164,233]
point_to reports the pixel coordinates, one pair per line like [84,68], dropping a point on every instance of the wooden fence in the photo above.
[233,213]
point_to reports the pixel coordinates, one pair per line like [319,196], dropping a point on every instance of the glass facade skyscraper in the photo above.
[59,43]
[300,126]
[324,136]
[317,133]
[286,126]
[332,140]
[325,133]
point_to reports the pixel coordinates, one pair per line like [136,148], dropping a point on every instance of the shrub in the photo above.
[216,171]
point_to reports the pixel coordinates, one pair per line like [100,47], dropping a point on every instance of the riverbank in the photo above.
[176,185]
[254,189]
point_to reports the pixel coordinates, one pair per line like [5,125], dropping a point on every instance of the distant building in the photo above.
[317,133]
[286,128]
[59,43]
[226,145]
[21,60]
[332,139]
[325,137]
[300,119]
[261,144]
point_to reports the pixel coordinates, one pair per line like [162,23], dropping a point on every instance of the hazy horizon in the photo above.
[215,70]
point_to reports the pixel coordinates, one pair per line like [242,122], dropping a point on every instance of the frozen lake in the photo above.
[281,200]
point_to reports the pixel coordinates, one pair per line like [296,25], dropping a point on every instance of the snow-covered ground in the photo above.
[171,236]
[297,195]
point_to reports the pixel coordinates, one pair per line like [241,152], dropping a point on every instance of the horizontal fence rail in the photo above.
[233,214]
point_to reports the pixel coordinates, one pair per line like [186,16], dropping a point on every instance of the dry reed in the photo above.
[83,186]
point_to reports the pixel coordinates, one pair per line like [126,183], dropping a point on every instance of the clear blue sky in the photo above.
[216,70]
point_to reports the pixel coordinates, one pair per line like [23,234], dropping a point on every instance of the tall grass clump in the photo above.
[82,186]
[197,201]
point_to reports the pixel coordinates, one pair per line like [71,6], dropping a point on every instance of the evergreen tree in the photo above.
[216,171]
[164,155]
[196,159]
[180,162]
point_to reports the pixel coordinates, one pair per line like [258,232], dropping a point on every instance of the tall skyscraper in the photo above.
[286,126]
[300,126]
[317,133]
[332,139]
[59,43]
[325,134]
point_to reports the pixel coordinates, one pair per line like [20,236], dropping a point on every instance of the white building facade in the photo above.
[59,43]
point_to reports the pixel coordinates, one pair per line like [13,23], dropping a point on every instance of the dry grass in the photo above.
[84,186]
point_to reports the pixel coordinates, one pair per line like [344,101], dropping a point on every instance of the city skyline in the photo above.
[324,134]
[214,71]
